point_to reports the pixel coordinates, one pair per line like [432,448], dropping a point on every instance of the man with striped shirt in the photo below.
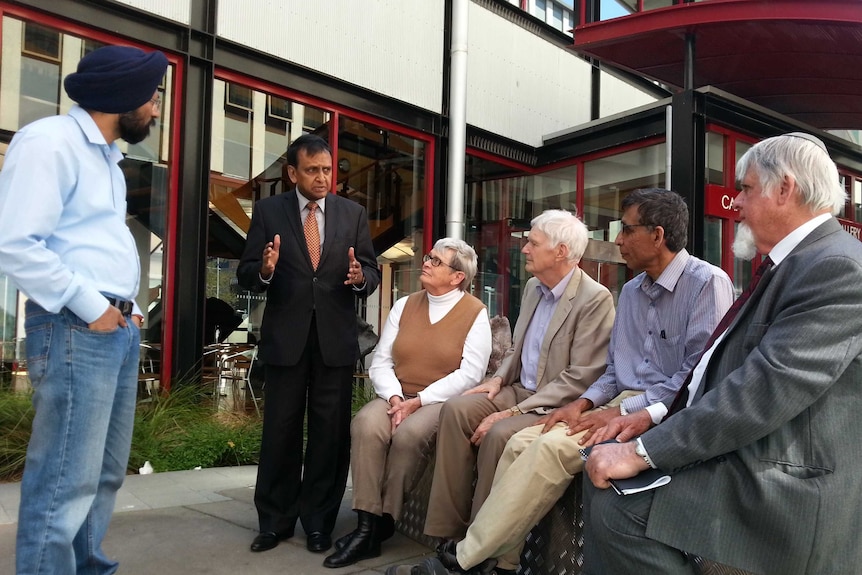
[664,317]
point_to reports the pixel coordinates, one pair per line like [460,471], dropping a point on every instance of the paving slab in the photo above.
[202,522]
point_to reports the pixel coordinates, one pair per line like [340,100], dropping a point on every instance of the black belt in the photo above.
[124,306]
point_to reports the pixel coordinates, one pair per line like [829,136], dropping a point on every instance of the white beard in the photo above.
[744,247]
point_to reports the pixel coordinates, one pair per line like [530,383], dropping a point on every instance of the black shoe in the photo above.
[430,566]
[342,541]
[385,529]
[318,542]
[447,557]
[268,540]
[364,543]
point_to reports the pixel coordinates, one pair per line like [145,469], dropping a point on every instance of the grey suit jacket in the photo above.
[575,346]
[767,474]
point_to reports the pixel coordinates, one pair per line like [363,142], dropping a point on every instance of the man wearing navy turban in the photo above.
[66,245]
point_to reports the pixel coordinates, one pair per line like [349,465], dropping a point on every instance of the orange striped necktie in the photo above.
[312,235]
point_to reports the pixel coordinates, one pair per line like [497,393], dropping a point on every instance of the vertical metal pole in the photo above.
[457,120]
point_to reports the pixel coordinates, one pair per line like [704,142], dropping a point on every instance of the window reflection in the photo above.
[385,171]
[35,58]
[379,168]
[499,209]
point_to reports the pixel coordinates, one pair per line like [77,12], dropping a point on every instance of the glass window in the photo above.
[608,180]
[715,158]
[33,58]
[557,17]
[379,168]
[741,148]
[251,132]
[385,171]
[712,240]
[499,209]
[539,9]
[857,199]
[742,270]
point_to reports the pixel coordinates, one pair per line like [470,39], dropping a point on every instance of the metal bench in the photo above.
[553,547]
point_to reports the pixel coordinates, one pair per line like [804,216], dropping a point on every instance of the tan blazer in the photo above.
[574,351]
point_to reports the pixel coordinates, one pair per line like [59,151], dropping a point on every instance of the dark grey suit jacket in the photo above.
[767,472]
[297,289]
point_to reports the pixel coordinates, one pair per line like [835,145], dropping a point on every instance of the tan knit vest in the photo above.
[424,352]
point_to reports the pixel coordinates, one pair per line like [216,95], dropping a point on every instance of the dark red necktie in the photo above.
[682,395]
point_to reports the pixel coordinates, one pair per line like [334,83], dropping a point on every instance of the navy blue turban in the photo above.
[116,79]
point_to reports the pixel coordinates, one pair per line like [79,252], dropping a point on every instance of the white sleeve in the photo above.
[382,370]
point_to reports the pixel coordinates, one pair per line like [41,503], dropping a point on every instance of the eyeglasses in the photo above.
[629,229]
[435,262]
[157,104]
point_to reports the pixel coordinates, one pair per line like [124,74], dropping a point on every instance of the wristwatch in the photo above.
[641,450]
[515,410]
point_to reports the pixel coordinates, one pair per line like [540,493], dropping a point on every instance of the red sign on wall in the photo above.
[719,202]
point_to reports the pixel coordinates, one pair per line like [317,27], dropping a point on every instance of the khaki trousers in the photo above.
[453,501]
[385,465]
[533,473]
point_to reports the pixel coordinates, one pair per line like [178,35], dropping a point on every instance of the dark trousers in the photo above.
[615,541]
[290,486]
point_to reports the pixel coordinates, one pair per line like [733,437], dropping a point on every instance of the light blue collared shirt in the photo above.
[660,330]
[64,239]
[535,335]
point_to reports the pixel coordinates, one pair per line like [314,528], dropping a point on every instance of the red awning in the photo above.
[799,58]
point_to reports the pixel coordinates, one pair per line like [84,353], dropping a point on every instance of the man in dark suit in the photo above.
[311,252]
[764,453]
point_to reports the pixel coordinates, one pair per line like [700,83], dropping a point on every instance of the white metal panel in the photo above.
[519,85]
[619,96]
[176,10]
[389,46]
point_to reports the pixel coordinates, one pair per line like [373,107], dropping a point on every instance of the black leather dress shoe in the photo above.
[386,529]
[318,542]
[268,540]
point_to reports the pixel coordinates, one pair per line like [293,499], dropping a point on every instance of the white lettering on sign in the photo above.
[852,230]
[726,202]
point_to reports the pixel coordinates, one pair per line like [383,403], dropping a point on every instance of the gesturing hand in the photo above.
[354,270]
[270,257]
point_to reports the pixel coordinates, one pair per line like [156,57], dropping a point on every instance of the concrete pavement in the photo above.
[203,522]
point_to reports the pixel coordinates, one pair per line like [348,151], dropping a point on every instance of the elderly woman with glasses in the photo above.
[435,345]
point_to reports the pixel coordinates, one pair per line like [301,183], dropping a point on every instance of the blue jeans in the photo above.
[84,392]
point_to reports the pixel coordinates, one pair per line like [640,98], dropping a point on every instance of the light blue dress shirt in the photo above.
[64,239]
[535,335]
[660,330]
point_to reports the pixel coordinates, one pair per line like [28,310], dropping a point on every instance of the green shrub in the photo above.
[174,431]
[180,431]
[16,419]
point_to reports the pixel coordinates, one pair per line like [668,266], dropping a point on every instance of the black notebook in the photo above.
[643,481]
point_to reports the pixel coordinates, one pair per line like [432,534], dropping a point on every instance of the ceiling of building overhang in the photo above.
[799,58]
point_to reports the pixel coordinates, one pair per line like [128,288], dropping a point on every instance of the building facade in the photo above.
[546,128]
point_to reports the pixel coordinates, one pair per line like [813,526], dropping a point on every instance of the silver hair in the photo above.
[464,258]
[563,227]
[805,159]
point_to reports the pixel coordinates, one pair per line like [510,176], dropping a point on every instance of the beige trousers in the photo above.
[385,465]
[453,501]
[533,473]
